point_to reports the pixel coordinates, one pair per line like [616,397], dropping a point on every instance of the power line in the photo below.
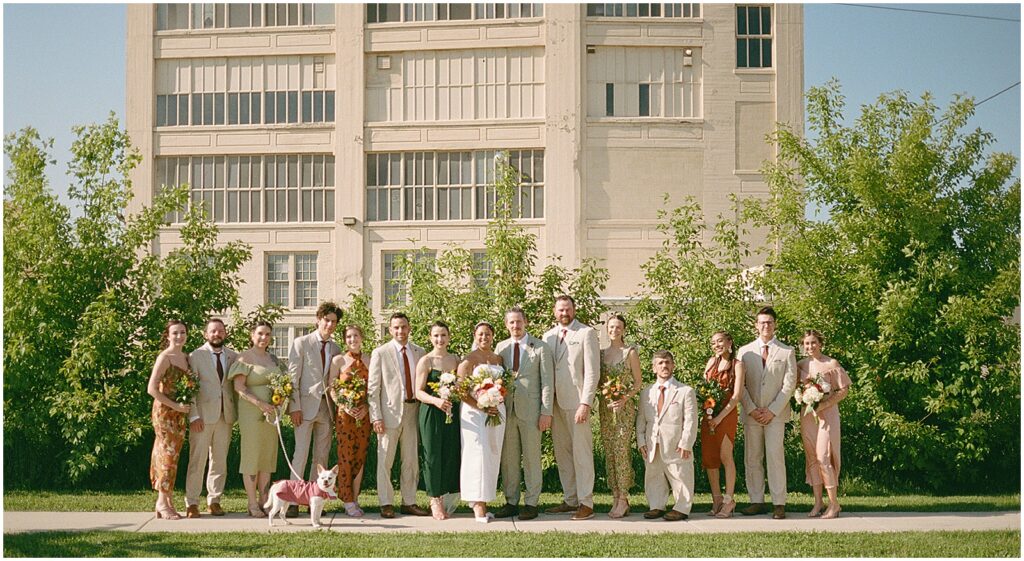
[999,93]
[930,12]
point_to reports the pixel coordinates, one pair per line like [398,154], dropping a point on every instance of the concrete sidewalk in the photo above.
[699,523]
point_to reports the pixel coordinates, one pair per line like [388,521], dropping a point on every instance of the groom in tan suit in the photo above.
[210,420]
[770,380]
[309,361]
[666,428]
[394,412]
[528,414]
[577,359]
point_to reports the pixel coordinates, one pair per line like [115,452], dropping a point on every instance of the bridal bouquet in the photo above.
[446,388]
[809,393]
[186,387]
[712,397]
[350,393]
[280,388]
[614,386]
[488,386]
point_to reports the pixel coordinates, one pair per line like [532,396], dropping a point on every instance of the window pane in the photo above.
[293,107]
[318,107]
[238,15]
[329,106]
[609,99]
[645,100]
[218,107]
[256,109]
[741,20]
[766,53]
[741,53]
[323,13]
[232,109]
[307,107]
[754,21]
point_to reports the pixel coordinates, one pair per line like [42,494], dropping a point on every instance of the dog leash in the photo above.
[280,437]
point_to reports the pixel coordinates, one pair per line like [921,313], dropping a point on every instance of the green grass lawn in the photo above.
[512,544]
[234,501]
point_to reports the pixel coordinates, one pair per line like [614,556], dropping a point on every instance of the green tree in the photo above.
[85,300]
[912,280]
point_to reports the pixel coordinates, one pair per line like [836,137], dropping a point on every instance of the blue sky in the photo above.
[64,63]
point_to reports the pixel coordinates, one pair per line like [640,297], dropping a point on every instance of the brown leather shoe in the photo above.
[779,512]
[561,509]
[675,516]
[215,509]
[654,513]
[192,511]
[506,511]
[387,511]
[528,512]
[754,509]
[415,510]
[584,512]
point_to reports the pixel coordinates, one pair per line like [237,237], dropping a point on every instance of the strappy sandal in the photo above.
[727,508]
[716,505]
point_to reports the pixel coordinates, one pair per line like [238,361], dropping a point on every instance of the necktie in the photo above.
[515,357]
[562,340]
[220,367]
[764,355]
[323,356]
[408,375]
[661,400]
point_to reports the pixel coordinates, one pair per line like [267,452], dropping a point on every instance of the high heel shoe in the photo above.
[256,512]
[716,505]
[437,510]
[167,514]
[726,509]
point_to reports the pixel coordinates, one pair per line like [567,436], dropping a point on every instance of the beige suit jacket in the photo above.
[214,393]
[581,354]
[309,378]
[772,384]
[531,389]
[384,388]
[675,428]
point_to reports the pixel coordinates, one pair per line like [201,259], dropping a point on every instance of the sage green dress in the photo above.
[259,438]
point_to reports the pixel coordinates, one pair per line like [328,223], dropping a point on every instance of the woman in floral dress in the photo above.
[618,417]
[351,424]
[168,416]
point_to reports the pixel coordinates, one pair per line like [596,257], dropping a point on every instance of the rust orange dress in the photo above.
[352,440]
[169,428]
[711,444]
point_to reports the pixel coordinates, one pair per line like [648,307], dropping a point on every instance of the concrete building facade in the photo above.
[333,138]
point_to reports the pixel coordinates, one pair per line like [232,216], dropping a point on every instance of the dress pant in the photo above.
[320,428]
[521,446]
[762,442]
[574,454]
[669,471]
[211,444]
[407,437]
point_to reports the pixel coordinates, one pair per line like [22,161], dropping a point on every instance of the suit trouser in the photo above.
[211,444]
[574,454]
[762,442]
[321,429]
[665,472]
[407,437]
[522,442]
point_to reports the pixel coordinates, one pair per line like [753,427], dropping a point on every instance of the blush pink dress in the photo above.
[821,435]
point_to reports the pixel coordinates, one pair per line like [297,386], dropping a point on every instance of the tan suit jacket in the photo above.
[770,385]
[577,363]
[309,378]
[675,428]
[384,388]
[214,394]
[531,390]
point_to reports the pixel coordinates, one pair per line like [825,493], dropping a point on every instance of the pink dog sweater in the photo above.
[299,492]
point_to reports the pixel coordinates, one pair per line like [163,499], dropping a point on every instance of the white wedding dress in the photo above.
[481,454]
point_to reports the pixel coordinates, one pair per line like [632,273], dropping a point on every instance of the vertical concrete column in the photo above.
[563,88]
[139,99]
[789,58]
[351,260]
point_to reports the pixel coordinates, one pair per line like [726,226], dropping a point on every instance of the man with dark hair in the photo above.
[210,420]
[769,383]
[309,361]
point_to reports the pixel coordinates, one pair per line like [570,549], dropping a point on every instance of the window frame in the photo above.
[292,281]
[746,39]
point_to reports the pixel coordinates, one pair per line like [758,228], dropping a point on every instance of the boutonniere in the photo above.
[530,344]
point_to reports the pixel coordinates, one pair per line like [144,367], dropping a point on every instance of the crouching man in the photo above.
[666,428]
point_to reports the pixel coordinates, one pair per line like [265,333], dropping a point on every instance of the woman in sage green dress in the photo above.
[439,423]
[251,373]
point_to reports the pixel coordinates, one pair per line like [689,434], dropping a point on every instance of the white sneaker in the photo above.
[485,518]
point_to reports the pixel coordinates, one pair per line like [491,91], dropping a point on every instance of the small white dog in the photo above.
[309,493]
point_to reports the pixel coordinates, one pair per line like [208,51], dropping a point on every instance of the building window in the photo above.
[252,189]
[439,186]
[644,82]
[393,13]
[482,268]
[644,10]
[283,335]
[393,285]
[241,15]
[291,280]
[753,37]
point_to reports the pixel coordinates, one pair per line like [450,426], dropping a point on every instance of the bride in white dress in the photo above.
[481,443]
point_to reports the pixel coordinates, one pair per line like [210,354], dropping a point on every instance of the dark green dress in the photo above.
[442,447]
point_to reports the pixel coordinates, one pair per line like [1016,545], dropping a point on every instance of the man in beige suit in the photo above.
[666,428]
[577,361]
[309,361]
[770,380]
[394,412]
[210,420]
[527,416]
